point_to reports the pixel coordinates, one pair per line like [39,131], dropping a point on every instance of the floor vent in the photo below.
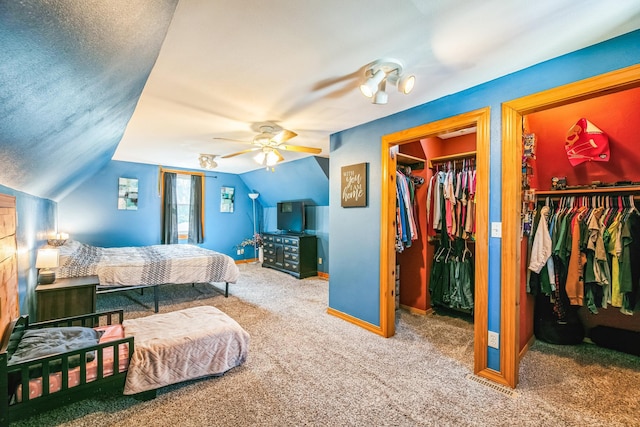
[497,387]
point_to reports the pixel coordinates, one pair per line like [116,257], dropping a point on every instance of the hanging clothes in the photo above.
[451,200]
[451,224]
[406,218]
[594,241]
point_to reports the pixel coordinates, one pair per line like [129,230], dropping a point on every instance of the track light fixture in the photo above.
[207,161]
[380,72]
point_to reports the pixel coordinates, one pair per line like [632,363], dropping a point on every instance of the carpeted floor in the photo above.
[307,368]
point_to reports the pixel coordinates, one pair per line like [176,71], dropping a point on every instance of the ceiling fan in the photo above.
[267,143]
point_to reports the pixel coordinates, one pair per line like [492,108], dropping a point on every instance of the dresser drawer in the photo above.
[291,257]
[291,249]
[290,241]
[292,266]
[277,239]
[268,238]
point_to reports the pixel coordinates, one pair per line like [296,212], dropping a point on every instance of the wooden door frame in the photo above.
[512,116]
[480,119]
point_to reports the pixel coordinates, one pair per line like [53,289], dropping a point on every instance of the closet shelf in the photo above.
[409,160]
[588,191]
[457,156]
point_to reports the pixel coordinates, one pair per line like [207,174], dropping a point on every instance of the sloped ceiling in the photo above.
[70,77]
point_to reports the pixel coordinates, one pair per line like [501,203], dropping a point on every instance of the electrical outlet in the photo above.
[319,261]
[494,339]
[238,252]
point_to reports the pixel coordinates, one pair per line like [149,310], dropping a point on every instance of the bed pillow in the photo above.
[69,247]
[50,341]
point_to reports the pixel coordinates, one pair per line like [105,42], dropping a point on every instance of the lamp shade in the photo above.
[46,261]
[47,258]
[254,196]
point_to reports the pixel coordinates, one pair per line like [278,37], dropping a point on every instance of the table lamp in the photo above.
[46,261]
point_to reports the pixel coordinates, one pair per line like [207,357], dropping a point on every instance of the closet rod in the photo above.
[588,191]
[452,157]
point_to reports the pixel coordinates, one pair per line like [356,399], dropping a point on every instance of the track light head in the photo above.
[406,84]
[370,87]
[381,95]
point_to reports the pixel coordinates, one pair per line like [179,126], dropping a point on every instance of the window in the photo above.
[183,196]
[182,206]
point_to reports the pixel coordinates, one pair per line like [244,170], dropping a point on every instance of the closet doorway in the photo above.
[513,113]
[479,120]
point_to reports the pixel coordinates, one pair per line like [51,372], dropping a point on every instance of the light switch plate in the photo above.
[496,229]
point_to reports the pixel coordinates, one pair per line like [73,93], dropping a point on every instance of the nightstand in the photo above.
[72,296]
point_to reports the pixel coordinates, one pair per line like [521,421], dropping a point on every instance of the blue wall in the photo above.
[35,220]
[354,288]
[305,179]
[317,220]
[90,213]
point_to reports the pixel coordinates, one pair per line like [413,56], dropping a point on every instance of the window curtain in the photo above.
[169,209]
[196,233]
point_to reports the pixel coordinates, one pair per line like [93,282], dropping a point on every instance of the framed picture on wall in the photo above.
[128,194]
[226,199]
[353,185]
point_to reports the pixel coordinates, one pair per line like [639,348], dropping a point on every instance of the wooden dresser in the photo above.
[295,254]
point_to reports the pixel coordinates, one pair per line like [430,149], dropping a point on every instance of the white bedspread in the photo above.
[183,345]
[146,265]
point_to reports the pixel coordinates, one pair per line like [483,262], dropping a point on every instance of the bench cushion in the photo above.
[183,345]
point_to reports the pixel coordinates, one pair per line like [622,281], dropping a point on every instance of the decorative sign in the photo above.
[128,194]
[354,186]
[226,199]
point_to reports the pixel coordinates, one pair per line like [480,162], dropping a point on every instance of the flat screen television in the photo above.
[290,217]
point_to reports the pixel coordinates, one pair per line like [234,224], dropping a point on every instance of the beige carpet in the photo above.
[307,368]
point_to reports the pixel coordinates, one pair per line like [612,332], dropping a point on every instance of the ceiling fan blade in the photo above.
[280,158]
[283,136]
[248,150]
[232,140]
[301,149]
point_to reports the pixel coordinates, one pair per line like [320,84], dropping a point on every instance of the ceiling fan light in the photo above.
[406,84]
[271,158]
[370,87]
[260,157]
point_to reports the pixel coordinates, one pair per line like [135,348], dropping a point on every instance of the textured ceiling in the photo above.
[84,80]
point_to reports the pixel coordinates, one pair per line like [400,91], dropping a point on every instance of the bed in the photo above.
[47,364]
[127,268]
